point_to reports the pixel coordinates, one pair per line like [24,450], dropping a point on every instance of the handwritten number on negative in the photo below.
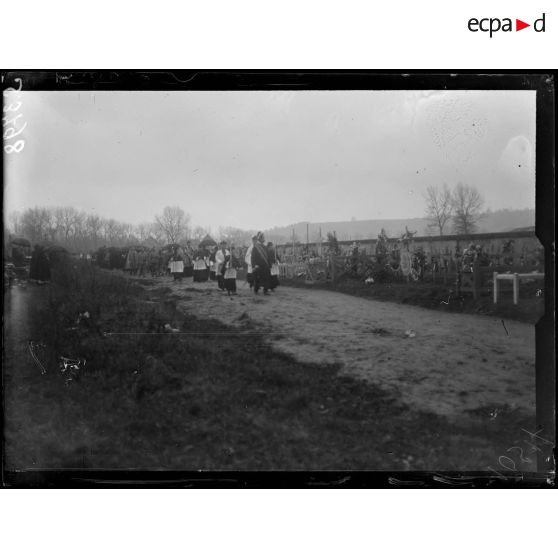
[10,108]
[10,133]
[15,148]
[523,459]
[505,466]
[8,89]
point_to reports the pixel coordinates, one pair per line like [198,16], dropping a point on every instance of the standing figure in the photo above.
[142,262]
[248,261]
[469,258]
[212,265]
[201,271]
[128,262]
[153,262]
[274,271]
[229,275]
[354,258]
[220,257]
[260,265]
[134,261]
[188,260]
[161,261]
[406,263]
[177,263]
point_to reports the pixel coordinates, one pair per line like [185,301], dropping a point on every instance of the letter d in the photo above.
[535,25]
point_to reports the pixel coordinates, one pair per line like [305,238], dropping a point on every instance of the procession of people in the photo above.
[208,262]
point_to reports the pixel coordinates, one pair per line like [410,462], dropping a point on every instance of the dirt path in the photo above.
[455,363]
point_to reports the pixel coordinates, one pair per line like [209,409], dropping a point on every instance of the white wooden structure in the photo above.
[515,278]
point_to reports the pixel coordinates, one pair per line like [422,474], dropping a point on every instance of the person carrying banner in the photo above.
[177,263]
[229,275]
[201,271]
[220,258]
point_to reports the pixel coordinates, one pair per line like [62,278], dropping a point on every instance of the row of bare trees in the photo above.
[79,231]
[461,208]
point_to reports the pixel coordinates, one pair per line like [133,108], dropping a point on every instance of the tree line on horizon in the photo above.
[457,210]
[79,231]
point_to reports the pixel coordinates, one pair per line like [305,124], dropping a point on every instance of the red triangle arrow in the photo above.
[519,25]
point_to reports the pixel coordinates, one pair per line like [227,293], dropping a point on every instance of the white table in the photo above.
[515,278]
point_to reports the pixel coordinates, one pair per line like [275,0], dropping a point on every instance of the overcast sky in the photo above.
[255,160]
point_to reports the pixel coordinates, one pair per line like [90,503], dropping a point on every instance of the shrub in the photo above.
[383,274]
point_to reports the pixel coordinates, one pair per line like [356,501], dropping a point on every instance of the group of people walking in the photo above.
[221,263]
[142,261]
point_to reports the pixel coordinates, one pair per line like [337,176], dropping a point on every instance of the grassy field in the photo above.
[206,397]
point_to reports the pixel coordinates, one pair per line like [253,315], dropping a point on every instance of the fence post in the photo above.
[515,288]
[495,281]
[476,280]
[332,270]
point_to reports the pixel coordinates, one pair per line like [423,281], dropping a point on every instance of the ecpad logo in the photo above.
[493,25]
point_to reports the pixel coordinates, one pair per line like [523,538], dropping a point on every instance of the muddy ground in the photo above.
[449,364]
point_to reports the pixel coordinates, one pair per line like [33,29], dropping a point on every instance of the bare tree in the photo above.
[51,226]
[93,225]
[143,231]
[111,230]
[438,207]
[35,224]
[173,222]
[238,237]
[127,233]
[198,233]
[467,207]
[14,223]
[157,233]
[78,229]
[65,220]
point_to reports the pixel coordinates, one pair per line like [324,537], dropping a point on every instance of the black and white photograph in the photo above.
[276,278]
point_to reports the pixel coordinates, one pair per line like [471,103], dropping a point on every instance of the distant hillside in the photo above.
[507,220]
[494,221]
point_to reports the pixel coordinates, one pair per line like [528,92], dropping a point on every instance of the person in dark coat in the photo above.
[188,260]
[115,258]
[212,263]
[261,266]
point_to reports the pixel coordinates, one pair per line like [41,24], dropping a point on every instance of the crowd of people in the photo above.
[207,262]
